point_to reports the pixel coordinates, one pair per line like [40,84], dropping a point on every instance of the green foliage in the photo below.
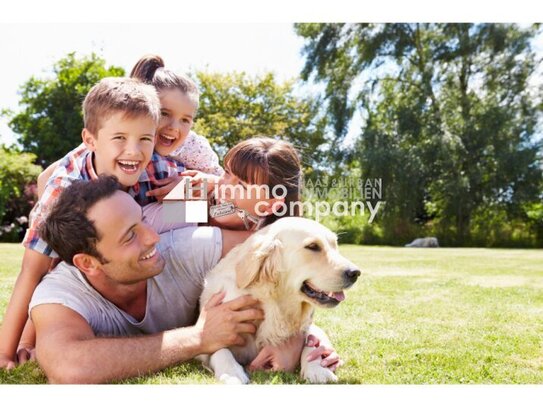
[17,196]
[235,107]
[50,122]
[534,213]
[495,228]
[450,119]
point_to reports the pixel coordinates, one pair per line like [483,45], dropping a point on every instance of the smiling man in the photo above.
[112,308]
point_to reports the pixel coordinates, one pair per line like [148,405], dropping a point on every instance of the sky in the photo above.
[32,49]
[233,35]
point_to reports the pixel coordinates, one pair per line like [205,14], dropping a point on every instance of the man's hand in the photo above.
[221,324]
[330,359]
[6,362]
[282,358]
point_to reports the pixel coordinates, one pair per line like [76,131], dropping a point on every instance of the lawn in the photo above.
[415,316]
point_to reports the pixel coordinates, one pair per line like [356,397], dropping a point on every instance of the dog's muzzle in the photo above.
[327,299]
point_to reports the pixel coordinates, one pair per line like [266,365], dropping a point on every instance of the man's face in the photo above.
[177,115]
[123,147]
[126,242]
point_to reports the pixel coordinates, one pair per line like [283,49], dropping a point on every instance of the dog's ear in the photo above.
[261,263]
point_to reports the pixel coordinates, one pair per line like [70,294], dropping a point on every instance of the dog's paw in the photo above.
[315,373]
[235,375]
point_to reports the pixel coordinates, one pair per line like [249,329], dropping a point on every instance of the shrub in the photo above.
[18,174]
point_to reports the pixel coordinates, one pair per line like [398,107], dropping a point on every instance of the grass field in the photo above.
[415,316]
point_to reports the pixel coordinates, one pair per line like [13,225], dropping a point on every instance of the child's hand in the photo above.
[282,358]
[6,362]
[198,177]
[330,359]
[25,353]
[164,187]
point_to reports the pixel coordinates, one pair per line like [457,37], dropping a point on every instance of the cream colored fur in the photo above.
[271,266]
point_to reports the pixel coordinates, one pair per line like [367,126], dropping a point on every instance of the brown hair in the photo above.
[150,69]
[67,229]
[114,95]
[266,161]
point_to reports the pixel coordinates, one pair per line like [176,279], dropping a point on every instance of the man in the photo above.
[112,309]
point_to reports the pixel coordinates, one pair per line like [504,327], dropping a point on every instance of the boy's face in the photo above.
[123,147]
[177,115]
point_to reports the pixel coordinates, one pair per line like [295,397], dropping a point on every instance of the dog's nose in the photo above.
[351,275]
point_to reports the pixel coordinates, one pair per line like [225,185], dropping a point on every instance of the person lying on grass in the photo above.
[124,301]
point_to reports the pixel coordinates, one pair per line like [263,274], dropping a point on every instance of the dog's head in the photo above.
[297,257]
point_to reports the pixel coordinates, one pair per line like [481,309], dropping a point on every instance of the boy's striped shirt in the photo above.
[77,165]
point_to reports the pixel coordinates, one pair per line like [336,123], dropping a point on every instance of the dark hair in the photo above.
[150,69]
[266,161]
[67,229]
[124,95]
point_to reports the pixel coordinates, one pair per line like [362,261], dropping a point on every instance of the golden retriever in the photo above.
[291,266]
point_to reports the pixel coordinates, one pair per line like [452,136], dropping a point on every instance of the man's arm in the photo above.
[69,352]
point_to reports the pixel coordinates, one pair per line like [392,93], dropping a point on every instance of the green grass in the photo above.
[415,316]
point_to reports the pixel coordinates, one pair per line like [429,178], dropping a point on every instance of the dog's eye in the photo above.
[313,247]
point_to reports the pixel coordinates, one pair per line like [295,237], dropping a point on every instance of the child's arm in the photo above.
[286,356]
[317,338]
[48,172]
[28,339]
[166,185]
[282,358]
[165,173]
[26,348]
[36,262]
[34,267]
[44,177]
[196,154]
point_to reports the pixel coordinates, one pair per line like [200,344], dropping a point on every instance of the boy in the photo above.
[120,117]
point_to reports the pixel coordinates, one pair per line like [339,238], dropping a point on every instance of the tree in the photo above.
[17,172]
[50,121]
[450,117]
[234,107]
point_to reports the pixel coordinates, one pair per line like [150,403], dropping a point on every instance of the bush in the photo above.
[18,174]
[494,228]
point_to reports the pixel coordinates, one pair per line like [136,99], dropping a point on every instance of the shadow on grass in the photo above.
[185,373]
[193,373]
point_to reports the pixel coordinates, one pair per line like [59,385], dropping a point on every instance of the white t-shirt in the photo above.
[172,295]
